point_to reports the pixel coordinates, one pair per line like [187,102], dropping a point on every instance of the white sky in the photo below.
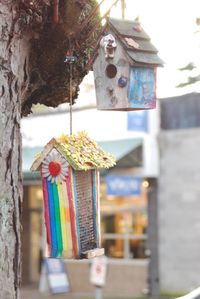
[171,26]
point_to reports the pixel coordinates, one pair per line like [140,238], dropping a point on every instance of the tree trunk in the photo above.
[18,83]
[13,50]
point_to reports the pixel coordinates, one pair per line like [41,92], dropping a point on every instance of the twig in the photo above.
[99,20]
[108,11]
[88,19]
[91,60]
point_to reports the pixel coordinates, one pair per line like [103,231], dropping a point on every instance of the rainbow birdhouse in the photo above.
[70,180]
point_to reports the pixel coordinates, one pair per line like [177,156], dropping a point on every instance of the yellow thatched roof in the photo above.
[79,150]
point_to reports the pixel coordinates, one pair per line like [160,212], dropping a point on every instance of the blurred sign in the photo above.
[98,271]
[138,121]
[54,276]
[123,185]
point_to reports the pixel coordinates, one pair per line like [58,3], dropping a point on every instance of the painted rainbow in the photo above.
[69,169]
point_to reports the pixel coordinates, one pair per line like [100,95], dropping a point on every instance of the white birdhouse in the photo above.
[125,68]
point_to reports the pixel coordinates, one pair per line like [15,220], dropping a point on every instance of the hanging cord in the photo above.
[123,8]
[70,59]
[70,94]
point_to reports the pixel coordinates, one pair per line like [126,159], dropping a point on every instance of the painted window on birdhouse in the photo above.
[142,88]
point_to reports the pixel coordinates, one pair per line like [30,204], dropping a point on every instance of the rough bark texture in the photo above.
[47,76]
[12,56]
[32,70]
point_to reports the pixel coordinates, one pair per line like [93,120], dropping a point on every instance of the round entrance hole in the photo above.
[111,71]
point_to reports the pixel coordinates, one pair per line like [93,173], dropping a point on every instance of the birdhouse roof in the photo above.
[81,152]
[135,41]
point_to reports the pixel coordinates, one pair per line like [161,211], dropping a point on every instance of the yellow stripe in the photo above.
[63,218]
[68,223]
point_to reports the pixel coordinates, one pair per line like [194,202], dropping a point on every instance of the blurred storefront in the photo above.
[124,228]
[124,223]
[124,215]
[138,228]
[32,223]
[124,218]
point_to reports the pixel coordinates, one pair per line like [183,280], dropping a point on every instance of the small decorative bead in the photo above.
[122,82]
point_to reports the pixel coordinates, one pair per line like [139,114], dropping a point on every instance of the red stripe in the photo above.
[46,213]
[72,214]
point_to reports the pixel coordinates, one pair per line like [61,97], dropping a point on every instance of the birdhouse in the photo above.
[125,68]
[69,169]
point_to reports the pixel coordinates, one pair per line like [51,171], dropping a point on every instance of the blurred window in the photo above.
[124,222]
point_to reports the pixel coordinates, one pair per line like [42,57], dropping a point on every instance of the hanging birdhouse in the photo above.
[70,179]
[125,68]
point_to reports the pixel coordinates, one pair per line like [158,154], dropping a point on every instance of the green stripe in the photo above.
[57,218]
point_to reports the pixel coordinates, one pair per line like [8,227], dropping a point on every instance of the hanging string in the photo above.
[69,59]
[123,8]
[70,95]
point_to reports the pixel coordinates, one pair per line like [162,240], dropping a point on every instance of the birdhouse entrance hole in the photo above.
[111,71]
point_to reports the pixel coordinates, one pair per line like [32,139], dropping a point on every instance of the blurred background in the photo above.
[150,200]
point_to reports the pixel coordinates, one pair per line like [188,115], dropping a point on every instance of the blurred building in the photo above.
[150,218]
[125,192]
[179,194]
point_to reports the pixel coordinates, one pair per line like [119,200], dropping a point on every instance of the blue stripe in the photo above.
[54,247]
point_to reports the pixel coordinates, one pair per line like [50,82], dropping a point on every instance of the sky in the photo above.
[171,24]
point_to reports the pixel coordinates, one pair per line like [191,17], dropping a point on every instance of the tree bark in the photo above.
[13,53]
[20,87]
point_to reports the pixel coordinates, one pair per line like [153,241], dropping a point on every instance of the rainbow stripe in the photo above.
[46,213]
[61,215]
[54,247]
